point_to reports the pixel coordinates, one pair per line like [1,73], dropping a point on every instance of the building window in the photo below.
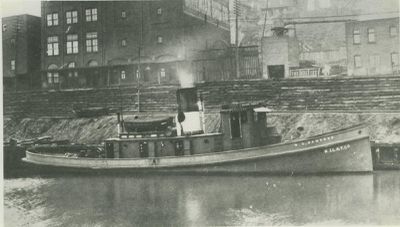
[52,19]
[374,61]
[123,75]
[159,11]
[371,35]
[393,31]
[91,14]
[162,73]
[311,5]
[356,37]
[91,42]
[52,46]
[72,17]
[71,65]
[4,27]
[357,61]
[72,44]
[394,59]
[12,65]
[123,42]
[159,39]
[12,41]
[53,77]
[123,14]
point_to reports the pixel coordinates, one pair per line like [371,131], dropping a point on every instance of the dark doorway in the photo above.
[235,125]
[109,150]
[276,71]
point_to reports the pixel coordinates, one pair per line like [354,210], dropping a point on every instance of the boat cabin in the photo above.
[241,126]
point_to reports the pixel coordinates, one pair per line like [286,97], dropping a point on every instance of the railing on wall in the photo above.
[304,73]
[219,64]
[210,11]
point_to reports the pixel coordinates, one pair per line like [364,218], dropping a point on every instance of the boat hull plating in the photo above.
[341,151]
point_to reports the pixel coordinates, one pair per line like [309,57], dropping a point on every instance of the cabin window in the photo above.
[144,149]
[179,149]
[235,125]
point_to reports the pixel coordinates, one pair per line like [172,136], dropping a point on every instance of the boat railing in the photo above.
[128,135]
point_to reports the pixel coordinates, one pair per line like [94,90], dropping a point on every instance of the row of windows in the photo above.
[71,17]
[72,44]
[375,60]
[90,16]
[371,34]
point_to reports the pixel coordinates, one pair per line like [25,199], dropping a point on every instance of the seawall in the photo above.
[318,105]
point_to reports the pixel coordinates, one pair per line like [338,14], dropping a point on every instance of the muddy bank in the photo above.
[384,127]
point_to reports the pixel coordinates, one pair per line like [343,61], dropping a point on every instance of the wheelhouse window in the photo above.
[371,35]
[72,44]
[393,31]
[12,65]
[91,14]
[52,46]
[91,42]
[357,61]
[52,19]
[356,36]
[72,17]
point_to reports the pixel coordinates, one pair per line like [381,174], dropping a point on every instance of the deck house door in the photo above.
[235,125]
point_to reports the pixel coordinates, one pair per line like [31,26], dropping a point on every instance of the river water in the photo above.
[198,200]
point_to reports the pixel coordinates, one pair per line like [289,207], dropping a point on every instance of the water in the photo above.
[167,200]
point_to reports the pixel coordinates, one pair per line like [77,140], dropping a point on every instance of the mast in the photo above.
[236,8]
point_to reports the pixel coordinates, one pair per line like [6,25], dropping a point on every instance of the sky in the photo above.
[15,7]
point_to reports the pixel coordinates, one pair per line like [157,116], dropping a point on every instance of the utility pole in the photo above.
[140,46]
[17,28]
[236,10]
[265,20]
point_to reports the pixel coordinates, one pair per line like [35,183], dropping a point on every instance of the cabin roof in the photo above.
[256,106]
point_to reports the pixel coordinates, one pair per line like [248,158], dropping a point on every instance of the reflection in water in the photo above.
[204,200]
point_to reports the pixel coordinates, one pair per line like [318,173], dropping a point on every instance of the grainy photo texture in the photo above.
[201,112]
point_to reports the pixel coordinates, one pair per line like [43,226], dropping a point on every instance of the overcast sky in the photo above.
[15,7]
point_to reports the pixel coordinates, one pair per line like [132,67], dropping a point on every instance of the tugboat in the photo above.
[243,144]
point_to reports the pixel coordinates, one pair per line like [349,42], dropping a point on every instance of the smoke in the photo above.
[185,78]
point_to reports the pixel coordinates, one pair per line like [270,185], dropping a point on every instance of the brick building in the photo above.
[21,52]
[373,45]
[96,44]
